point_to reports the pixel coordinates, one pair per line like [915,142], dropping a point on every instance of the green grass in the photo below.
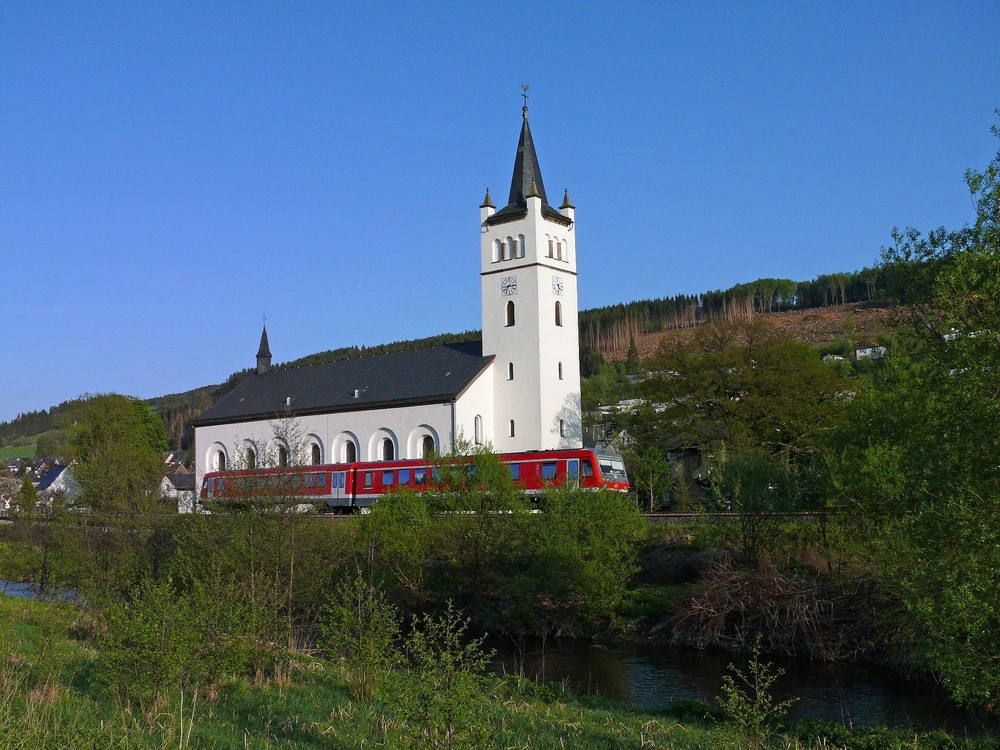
[52,696]
[18,450]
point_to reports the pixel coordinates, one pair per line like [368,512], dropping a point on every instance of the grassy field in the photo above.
[20,449]
[53,695]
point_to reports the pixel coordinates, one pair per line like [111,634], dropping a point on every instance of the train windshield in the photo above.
[612,468]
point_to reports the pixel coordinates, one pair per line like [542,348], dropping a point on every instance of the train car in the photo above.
[357,486]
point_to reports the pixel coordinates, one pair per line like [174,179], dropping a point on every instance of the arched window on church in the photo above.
[512,428]
[558,313]
[388,450]
[510,371]
[350,452]
[282,456]
[220,461]
[510,313]
[317,457]
[427,447]
[520,246]
[560,371]
[251,459]
[478,429]
[562,428]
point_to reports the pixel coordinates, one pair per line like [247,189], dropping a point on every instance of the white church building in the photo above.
[516,390]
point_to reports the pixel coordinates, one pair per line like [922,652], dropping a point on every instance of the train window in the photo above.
[309,480]
[548,470]
[272,481]
[296,480]
[386,478]
[420,476]
[588,469]
[260,482]
[436,474]
[285,480]
[209,484]
[573,468]
[404,476]
[321,480]
[368,479]
[515,471]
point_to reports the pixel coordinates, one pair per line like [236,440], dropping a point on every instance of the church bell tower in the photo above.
[529,298]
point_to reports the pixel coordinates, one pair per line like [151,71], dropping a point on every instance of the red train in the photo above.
[359,485]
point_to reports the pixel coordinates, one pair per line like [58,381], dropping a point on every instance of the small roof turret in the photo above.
[263,354]
[487,201]
[566,203]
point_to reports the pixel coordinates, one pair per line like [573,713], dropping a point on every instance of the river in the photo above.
[650,678]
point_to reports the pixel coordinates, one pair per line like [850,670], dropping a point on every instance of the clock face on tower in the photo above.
[508,286]
[557,285]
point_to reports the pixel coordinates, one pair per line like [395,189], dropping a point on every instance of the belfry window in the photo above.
[558,313]
[520,246]
[551,249]
[510,314]
[497,251]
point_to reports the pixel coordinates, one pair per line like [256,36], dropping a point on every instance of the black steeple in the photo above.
[526,182]
[263,354]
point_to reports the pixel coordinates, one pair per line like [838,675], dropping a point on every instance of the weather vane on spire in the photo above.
[263,318]
[524,93]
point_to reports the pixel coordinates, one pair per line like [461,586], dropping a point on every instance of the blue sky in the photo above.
[171,171]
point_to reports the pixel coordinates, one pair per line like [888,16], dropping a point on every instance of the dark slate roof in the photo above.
[527,178]
[420,376]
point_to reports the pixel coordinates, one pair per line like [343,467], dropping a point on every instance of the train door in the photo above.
[339,497]
[573,473]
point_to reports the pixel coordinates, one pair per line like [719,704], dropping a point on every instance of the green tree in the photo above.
[741,385]
[649,471]
[119,443]
[26,496]
[918,455]
[758,490]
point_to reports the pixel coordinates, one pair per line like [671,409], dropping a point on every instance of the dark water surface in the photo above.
[651,678]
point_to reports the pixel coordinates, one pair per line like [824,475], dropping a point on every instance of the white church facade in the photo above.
[516,390]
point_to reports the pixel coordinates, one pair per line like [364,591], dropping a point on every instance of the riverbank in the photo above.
[53,695]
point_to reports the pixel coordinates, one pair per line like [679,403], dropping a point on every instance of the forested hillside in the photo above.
[606,330]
